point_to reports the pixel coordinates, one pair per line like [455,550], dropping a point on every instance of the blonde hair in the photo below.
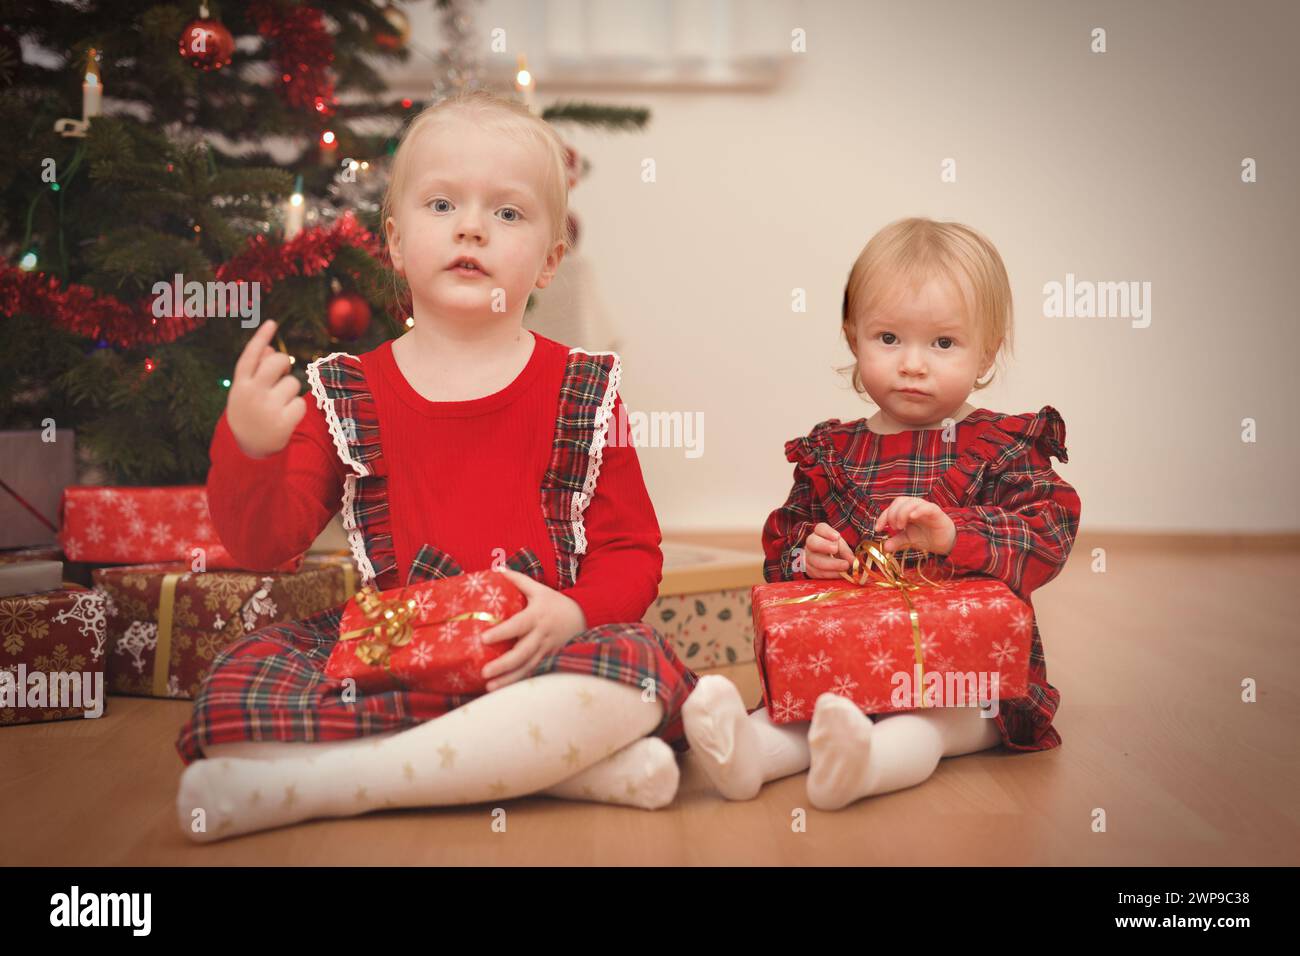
[916,250]
[500,114]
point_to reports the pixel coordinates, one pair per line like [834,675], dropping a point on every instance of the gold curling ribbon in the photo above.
[871,558]
[391,626]
[162,655]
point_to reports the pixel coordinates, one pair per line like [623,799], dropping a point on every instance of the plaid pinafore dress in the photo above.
[271,684]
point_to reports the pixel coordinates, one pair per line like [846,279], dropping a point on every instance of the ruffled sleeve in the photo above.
[1016,518]
[343,396]
[821,492]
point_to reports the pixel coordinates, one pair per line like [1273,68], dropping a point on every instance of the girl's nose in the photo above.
[470,226]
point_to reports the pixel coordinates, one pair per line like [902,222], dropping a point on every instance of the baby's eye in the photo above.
[945,339]
[887,337]
[515,214]
[441,205]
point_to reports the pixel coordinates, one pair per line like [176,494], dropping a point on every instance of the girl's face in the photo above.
[472,193]
[918,359]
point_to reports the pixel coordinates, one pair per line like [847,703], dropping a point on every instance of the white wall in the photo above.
[1115,166]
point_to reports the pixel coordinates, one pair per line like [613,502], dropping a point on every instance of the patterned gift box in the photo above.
[54,633]
[969,641]
[704,603]
[424,635]
[166,624]
[105,526]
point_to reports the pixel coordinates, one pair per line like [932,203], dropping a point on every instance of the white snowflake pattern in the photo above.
[788,709]
[965,633]
[1004,652]
[1022,623]
[421,655]
[881,661]
[830,627]
[72,548]
[818,663]
[474,584]
[126,504]
[844,685]
[447,632]
[963,605]
[892,615]
[95,532]
[998,602]
[162,532]
[494,599]
[174,687]
[424,604]
[135,528]
[929,644]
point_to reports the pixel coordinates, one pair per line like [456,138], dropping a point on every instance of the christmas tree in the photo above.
[147,223]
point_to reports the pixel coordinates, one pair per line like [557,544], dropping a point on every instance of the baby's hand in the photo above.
[919,523]
[550,621]
[826,554]
[263,408]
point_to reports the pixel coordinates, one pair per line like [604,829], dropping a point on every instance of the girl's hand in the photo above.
[919,523]
[263,406]
[550,621]
[825,553]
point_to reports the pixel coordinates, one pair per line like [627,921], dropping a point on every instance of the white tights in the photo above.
[575,736]
[847,755]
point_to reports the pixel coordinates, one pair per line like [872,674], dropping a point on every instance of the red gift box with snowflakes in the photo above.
[970,643]
[425,636]
[106,525]
[52,655]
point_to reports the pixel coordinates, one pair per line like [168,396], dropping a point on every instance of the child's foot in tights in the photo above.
[740,752]
[852,757]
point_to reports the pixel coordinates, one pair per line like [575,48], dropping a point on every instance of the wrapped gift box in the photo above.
[703,606]
[52,656]
[36,472]
[834,636]
[104,525]
[166,623]
[425,635]
[30,577]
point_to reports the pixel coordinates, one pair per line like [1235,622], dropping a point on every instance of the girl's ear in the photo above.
[394,245]
[553,260]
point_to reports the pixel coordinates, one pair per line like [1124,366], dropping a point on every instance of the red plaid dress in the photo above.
[1016,517]
[271,685]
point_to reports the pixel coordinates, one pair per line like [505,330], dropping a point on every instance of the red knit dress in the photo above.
[1016,518]
[429,489]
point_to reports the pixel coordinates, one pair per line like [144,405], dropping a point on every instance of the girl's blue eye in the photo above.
[514,213]
[441,205]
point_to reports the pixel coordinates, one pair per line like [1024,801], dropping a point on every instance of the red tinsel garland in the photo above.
[84,311]
[302,50]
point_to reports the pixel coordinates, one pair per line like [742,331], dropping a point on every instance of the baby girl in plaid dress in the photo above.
[466,440]
[927,311]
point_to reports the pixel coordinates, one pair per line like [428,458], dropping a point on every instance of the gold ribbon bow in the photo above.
[891,571]
[391,626]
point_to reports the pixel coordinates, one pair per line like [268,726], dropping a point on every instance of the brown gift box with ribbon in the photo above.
[49,642]
[166,624]
[893,638]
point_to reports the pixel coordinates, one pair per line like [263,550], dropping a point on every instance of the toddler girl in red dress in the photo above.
[469,444]
[927,310]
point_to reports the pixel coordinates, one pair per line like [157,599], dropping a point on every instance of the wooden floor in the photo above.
[1149,657]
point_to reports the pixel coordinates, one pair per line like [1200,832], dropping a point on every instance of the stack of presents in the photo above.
[128,589]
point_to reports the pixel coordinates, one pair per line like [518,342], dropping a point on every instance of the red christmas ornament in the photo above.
[206,44]
[348,316]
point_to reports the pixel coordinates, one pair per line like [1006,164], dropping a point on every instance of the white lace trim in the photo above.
[599,435]
[356,541]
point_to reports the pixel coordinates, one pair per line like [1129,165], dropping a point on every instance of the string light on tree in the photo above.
[525,84]
[329,147]
[399,28]
[294,213]
[92,100]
